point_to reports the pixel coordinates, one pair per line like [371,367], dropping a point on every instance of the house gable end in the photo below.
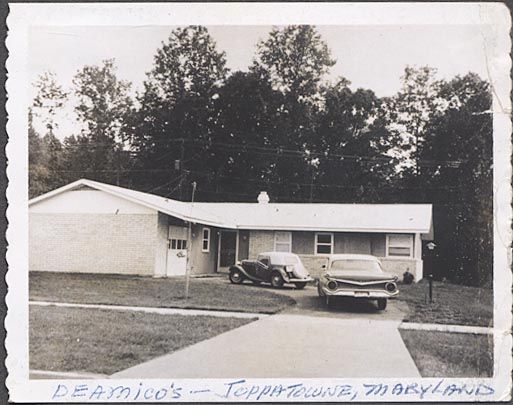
[87,200]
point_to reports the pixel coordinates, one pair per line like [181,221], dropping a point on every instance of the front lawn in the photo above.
[452,304]
[103,341]
[440,354]
[205,293]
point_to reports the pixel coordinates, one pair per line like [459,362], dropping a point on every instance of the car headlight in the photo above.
[391,287]
[332,285]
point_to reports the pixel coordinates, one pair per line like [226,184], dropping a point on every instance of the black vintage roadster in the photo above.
[276,268]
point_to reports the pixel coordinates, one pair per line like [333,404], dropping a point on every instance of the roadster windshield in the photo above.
[356,265]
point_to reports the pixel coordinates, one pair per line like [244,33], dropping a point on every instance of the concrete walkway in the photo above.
[436,327]
[152,310]
[63,375]
[286,345]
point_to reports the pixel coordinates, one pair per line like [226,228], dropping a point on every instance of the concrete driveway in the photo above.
[309,303]
[305,342]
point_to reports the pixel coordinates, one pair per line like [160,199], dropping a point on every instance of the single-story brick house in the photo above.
[91,227]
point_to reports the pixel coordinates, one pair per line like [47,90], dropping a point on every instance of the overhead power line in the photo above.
[278,151]
[180,177]
[213,176]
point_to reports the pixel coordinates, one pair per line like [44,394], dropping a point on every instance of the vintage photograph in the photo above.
[260,201]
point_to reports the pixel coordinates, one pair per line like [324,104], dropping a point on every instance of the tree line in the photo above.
[280,126]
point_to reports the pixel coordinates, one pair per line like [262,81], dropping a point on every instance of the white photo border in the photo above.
[495,22]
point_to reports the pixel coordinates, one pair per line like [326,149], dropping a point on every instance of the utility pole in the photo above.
[189,248]
[182,154]
[311,182]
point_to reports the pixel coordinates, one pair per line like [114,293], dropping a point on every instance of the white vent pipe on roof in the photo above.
[263,197]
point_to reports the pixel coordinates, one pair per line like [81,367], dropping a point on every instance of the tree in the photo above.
[45,161]
[103,101]
[49,100]
[187,64]
[45,153]
[460,140]
[176,106]
[103,104]
[294,59]
[240,156]
[352,162]
[410,111]
[37,171]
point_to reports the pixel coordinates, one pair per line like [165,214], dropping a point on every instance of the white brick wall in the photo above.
[399,266]
[93,243]
[260,241]
[313,263]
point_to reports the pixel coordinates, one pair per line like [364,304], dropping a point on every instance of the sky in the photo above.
[372,57]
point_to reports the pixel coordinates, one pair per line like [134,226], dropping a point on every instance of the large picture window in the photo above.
[282,241]
[400,245]
[323,243]
[205,243]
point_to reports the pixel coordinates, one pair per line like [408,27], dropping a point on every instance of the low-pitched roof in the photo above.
[389,218]
[178,209]
[326,217]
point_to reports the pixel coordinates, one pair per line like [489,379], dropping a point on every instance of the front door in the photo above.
[227,250]
[177,251]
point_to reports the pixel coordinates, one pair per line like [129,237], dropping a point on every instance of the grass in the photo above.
[441,354]
[212,293]
[104,342]
[452,304]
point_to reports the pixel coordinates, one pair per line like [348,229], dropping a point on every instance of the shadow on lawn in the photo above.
[210,294]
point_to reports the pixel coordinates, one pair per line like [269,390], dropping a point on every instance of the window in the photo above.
[323,243]
[400,245]
[264,260]
[205,243]
[283,241]
[178,244]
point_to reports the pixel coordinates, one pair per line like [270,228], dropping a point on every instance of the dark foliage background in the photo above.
[281,127]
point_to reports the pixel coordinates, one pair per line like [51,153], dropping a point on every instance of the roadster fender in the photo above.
[291,279]
[241,269]
[283,273]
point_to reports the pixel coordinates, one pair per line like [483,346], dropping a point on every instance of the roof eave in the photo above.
[99,186]
[58,191]
[339,229]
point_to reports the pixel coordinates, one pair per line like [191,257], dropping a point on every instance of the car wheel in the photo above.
[300,285]
[236,277]
[382,303]
[276,280]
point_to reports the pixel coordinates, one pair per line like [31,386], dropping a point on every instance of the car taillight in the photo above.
[391,287]
[332,285]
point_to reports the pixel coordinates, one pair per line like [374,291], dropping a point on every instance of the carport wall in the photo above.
[90,231]
[202,261]
[303,244]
